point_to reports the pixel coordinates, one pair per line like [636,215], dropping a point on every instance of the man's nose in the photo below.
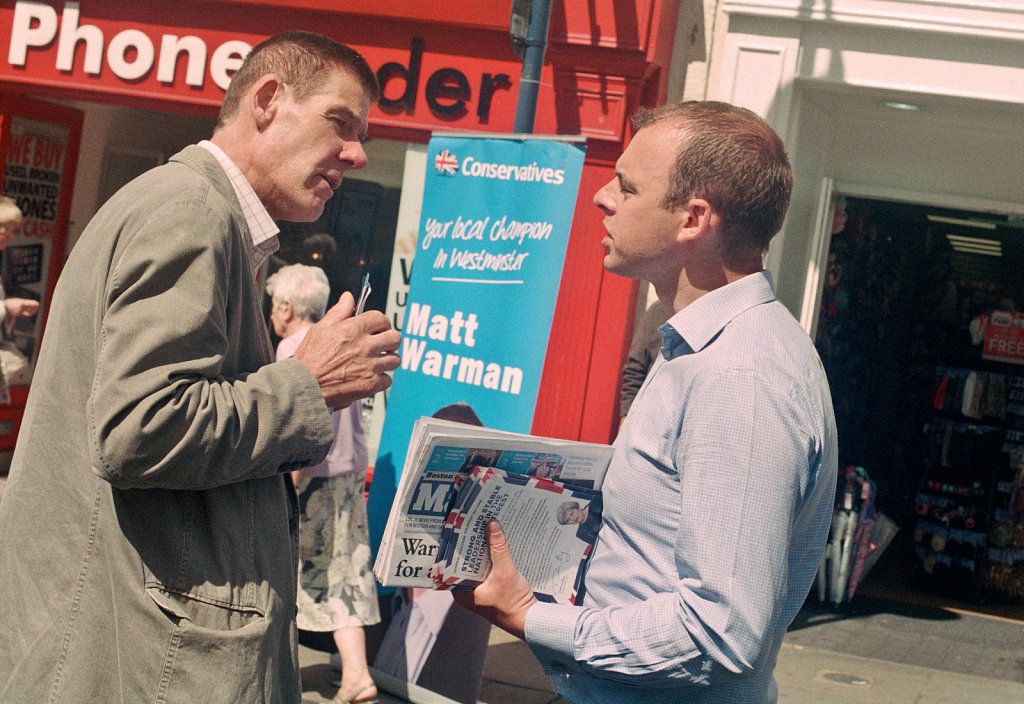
[603,199]
[354,155]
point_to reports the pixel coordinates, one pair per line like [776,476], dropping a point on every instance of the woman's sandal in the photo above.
[354,699]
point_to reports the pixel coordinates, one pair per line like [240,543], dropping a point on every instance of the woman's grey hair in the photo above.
[9,210]
[304,287]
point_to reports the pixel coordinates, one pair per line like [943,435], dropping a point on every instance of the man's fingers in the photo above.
[504,597]
[388,362]
[350,355]
[386,341]
[373,321]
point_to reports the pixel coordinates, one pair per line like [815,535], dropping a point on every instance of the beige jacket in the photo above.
[147,530]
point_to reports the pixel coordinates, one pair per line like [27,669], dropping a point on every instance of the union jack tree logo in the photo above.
[446,163]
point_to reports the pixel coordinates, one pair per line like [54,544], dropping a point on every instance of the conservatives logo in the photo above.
[446,163]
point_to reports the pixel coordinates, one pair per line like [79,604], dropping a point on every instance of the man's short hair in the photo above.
[9,210]
[304,287]
[734,160]
[302,60]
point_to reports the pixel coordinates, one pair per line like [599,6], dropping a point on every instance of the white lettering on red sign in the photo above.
[1004,337]
[130,54]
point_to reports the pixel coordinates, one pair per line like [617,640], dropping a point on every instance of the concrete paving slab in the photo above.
[317,687]
[845,679]
[812,676]
[498,693]
[919,635]
[1000,663]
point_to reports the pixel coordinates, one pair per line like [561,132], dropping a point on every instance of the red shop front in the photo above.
[77,76]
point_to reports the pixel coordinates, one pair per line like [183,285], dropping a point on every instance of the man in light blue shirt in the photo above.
[718,498]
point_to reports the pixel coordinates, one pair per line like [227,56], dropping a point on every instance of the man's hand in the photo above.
[349,356]
[504,597]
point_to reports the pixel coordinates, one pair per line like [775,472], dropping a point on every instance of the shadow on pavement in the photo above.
[815,613]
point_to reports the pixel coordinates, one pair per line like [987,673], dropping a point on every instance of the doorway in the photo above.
[913,300]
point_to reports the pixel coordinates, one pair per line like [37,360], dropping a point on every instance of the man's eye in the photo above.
[341,123]
[347,128]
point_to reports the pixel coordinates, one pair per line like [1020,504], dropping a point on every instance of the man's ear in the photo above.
[264,98]
[697,219]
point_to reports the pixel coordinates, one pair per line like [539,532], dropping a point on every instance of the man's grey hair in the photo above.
[304,287]
[303,61]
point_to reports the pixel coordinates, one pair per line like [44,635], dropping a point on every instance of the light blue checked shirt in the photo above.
[717,505]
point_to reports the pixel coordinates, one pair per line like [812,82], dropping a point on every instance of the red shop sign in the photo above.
[144,53]
[1004,337]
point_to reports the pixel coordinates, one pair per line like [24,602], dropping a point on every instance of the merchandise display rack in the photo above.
[969,533]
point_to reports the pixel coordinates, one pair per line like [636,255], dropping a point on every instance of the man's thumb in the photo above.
[496,538]
[345,306]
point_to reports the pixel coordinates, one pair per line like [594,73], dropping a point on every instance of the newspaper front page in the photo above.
[441,451]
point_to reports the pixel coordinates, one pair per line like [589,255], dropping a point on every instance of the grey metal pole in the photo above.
[533,60]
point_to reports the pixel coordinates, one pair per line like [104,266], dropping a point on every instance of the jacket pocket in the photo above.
[198,549]
[216,653]
[203,612]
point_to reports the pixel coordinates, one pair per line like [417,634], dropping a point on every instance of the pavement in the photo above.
[871,651]
[805,674]
[890,645]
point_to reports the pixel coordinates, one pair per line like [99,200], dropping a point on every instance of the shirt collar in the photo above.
[262,228]
[696,325]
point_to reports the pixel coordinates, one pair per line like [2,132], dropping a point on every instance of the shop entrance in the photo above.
[921,333]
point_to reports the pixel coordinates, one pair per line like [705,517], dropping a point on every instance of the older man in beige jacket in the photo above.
[147,532]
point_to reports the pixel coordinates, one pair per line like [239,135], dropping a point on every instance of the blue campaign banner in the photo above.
[489,254]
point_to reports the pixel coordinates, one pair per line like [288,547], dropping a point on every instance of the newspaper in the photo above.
[440,452]
[551,529]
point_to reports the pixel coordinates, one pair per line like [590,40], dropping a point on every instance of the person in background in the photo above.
[149,521]
[643,348]
[10,227]
[337,592]
[13,308]
[718,497]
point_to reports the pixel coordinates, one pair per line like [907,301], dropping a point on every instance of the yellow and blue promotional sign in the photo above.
[490,248]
